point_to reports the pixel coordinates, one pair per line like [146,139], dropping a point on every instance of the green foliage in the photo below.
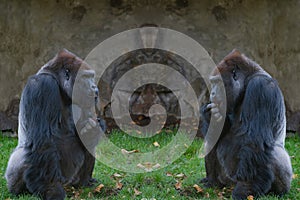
[184,173]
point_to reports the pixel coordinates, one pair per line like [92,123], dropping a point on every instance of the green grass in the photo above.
[159,184]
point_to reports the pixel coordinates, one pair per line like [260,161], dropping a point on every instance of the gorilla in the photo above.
[249,153]
[51,153]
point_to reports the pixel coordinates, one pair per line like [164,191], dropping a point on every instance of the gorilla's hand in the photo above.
[215,111]
[89,125]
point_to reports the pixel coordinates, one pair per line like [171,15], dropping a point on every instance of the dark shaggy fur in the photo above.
[249,153]
[50,154]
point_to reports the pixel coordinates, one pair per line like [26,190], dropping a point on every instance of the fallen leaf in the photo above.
[148,166]
[116,175]
[134,151]
[90,195]
[125,152]
[77,194]
[206,195]
[136,192]
[198,188]
[169,174]
[156,166]
[141,166]
[250,197]
[156,144]
[181,175]
[139,132]
[119,185]
[295,176]
[98,188]
[178,185]
[220,194]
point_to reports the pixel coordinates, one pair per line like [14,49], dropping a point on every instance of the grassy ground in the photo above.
[176,181]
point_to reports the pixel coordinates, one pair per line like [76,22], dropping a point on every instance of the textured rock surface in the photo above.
[31,32]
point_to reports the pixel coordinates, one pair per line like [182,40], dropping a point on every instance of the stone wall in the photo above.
[31,32]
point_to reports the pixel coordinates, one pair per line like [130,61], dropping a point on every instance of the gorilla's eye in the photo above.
[67,74]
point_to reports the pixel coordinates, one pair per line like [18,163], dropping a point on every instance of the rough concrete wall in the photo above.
[31,32]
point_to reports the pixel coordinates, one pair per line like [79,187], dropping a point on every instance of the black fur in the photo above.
[50,154]
[250,152]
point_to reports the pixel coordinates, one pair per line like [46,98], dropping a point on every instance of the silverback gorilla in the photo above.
[50,152]
[250,153]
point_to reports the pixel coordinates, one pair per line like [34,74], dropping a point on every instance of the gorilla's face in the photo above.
[75,77]
[232,78]
[85,91]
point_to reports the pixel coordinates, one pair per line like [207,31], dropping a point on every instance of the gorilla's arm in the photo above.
[214,171]
[40,114]
[261,110]
[205,118]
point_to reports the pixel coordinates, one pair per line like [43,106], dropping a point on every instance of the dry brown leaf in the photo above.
[206,195]
[139,132]
[90,195]
[125,152]
[156,144]
[140,166]
[178,185]
[181,175]
[148,166]
[98,188]
[169,174]
[198,188]
[136,192]
[116,175]
[295,176]
[220,194]
[156,166]
[133,151]
[76,194]
[250,197]
[119,185]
